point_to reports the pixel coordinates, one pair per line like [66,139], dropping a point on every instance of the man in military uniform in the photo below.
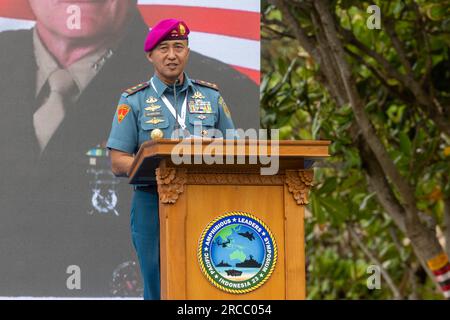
[169,100]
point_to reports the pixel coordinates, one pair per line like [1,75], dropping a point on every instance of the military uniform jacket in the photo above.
[151,106]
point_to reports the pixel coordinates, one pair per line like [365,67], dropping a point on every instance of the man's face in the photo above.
[169,58]
[97,17]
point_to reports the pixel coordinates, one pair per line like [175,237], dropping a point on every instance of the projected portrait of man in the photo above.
[60,204]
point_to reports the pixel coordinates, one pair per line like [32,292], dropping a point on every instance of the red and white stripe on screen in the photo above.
[227,30]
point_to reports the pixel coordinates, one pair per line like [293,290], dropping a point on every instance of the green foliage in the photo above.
[295,100]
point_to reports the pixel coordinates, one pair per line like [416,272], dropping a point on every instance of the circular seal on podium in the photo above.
[237,252]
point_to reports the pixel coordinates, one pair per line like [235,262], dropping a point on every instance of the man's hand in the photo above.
[121,163]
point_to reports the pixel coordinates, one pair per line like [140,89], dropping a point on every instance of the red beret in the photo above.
[169,29]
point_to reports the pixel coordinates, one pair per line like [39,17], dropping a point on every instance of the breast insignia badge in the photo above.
[198,95]
[152,108]
[151,100]
[155,121]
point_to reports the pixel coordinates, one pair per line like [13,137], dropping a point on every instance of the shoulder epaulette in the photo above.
[206,84]
[135,89]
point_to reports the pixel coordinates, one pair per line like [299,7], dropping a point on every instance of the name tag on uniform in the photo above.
[200,106]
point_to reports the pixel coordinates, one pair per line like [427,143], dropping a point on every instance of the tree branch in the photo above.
[329,65]
[278,33]
[420,22]
[363,121]
[390,30]
[307,43]
[378,183]
[423,240]
[395,290]
[381,77]
[429,105]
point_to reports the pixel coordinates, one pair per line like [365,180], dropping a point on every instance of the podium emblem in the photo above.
[237,252]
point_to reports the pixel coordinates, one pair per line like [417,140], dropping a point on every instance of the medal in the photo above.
[200,106]
[156,134]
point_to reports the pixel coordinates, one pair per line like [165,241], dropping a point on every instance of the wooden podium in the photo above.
[192,195]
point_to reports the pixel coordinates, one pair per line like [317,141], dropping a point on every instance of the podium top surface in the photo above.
[153,151]
[287,148]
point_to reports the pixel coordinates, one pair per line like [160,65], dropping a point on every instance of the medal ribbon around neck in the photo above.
[181,119]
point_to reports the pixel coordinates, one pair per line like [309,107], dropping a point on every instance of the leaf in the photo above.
[316,125]
[395,113]
[329,186]
[436,11]
[264,84]
[317,210]
[336,209]
[350,181]
[405,144]
[352,158]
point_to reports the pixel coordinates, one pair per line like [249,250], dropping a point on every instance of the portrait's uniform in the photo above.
[148,108]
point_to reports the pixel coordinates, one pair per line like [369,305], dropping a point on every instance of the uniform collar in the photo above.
[161,87]
[82,71]
[45,62]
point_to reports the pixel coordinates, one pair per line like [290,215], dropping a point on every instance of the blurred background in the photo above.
[380,90]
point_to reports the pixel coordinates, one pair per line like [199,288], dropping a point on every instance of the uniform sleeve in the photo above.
[225,121]
[124,133]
